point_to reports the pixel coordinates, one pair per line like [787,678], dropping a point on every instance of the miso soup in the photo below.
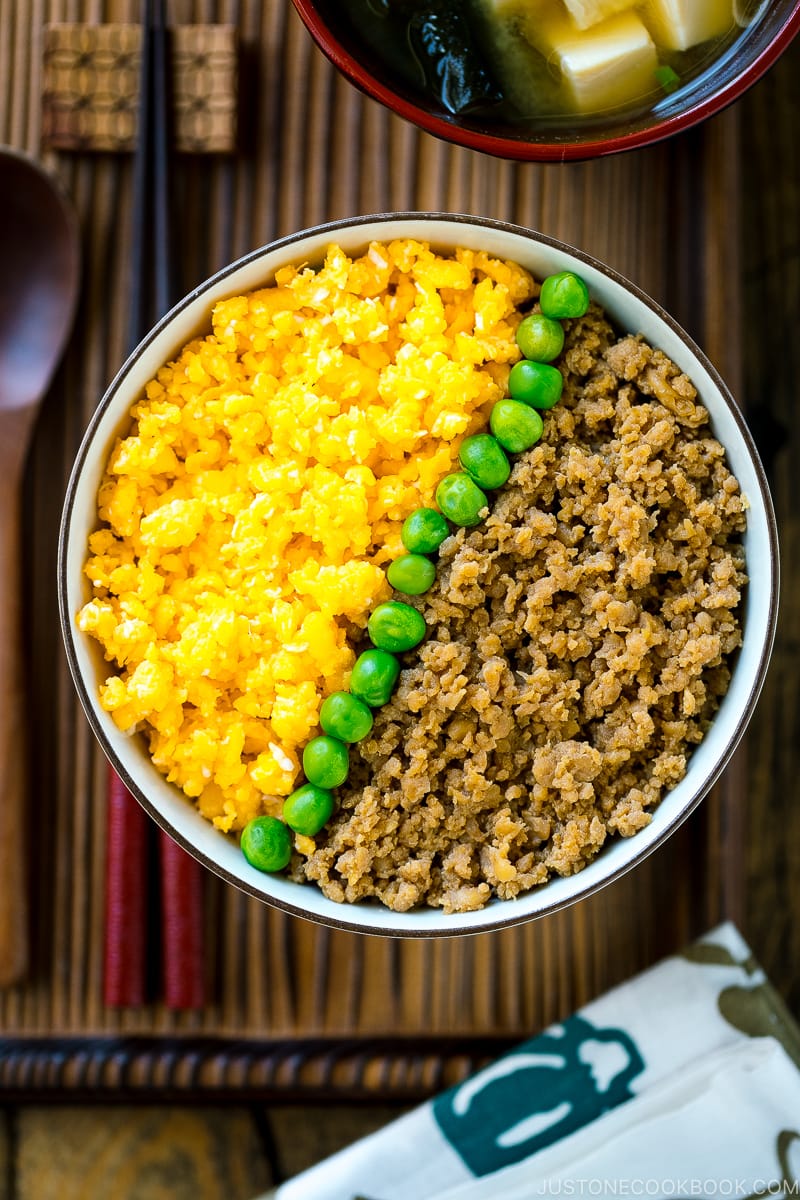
[544,60]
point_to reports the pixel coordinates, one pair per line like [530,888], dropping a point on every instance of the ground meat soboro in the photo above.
[577,651]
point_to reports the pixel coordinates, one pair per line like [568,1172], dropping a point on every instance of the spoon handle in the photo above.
[13,711]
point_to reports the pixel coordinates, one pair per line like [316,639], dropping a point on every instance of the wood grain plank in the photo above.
[402,141]
[770,296]
[91,1154]
[380,989]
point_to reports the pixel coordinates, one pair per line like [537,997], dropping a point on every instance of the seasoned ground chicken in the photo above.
[579,646]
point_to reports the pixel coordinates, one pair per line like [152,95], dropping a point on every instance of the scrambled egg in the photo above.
[249,512]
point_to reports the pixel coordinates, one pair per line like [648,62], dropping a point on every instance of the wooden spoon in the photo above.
[39,253]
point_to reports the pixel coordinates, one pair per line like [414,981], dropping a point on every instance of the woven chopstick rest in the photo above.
[91,87]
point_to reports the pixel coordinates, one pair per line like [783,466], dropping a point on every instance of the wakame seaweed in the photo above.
[443,43]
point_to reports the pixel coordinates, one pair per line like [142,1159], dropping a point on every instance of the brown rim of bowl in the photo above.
[506,917]
[502,147]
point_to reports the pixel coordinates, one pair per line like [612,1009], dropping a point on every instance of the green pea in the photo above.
[540,338]
[460,499]
[484,460]
[535,383]
[308,809]
[564,295]
[373,677]
[396,627]
[412,574]
[516,426]
[266,844]
[326,762]
[424,530]
[345,717]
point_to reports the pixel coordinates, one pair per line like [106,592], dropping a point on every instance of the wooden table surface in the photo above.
[708,224]
[769,287]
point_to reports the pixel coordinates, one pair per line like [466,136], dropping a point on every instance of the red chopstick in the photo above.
[125,963]
[128,884]
[182,956]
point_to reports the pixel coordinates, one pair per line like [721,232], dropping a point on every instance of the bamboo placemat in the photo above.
[313,149]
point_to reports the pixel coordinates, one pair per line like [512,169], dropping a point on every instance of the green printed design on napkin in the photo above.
[711,954]
[543,1091]
[756,1010]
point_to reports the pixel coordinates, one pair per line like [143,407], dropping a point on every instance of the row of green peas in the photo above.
[395,627]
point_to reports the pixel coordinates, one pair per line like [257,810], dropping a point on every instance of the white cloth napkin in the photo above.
[670,1038]
[729,1125]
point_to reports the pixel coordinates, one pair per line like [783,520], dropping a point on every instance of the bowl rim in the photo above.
[502,147]
[497,914]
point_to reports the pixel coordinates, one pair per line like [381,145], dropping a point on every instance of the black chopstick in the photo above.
[153,289]
[132,840]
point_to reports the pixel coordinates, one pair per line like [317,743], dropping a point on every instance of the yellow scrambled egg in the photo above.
[249,511]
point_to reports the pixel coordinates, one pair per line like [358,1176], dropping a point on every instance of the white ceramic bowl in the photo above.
[632,311]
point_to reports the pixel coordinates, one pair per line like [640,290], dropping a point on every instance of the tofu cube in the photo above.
[679,24]
[603,67]
[586,13]
[526,8]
